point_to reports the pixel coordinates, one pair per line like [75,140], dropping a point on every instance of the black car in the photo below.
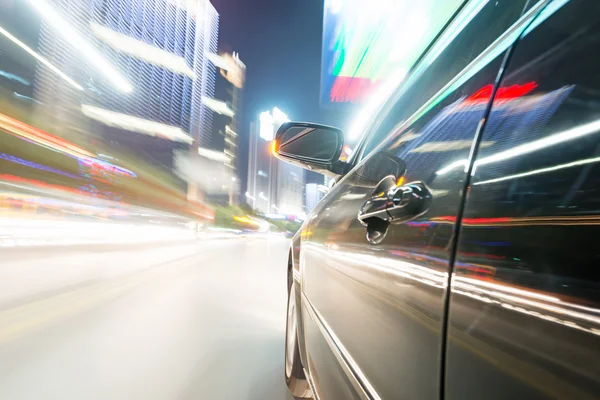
[458,254]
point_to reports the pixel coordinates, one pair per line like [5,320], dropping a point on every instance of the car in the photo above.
[456,255]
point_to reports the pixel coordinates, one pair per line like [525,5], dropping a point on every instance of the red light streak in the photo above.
[41,184]
[19,129]
[503,93]
[474,221]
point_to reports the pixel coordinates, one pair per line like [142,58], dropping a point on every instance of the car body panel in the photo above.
[524,319]
[384,305]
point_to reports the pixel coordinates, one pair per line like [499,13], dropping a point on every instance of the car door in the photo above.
[524,316]
[373,314]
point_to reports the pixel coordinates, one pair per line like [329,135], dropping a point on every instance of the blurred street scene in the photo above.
[144,222]
[132,264]
[185,320]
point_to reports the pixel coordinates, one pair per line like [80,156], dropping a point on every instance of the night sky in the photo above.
[280,43]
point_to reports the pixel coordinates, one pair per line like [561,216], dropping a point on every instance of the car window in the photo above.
[493,19]
[526,283]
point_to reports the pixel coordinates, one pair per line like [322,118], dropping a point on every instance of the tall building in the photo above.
[227,105]
[259,171]
[274,186]
[150,76]
[229,89]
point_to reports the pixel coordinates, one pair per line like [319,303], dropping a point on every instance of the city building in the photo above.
[138,73]
[228,90]
[218,186]
[274,187]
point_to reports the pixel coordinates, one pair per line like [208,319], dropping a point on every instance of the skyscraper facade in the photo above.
[158,46]
[229,88]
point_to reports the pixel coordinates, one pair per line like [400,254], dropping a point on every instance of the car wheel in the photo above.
[294,371]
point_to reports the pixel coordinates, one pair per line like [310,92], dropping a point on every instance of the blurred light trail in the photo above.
[448,145]
[36,232]
[39,186]
[512,297]
[28,98]
[63,200]
[468,12]
[14,77]
[230,131]
[31,164]
[136,124]
[218,106]
[11,185]
[19,129]
[75,39]
[530,147]
[541,170]
[213,155]
[250,224]
[40,59]
[143,51]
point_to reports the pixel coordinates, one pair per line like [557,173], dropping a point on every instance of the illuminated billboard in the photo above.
[365,42]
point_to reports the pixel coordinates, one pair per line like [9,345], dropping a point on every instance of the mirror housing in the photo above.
[311,146]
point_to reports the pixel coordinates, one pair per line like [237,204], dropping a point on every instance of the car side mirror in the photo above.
[311,146]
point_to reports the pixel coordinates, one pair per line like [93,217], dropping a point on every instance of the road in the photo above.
[194,320]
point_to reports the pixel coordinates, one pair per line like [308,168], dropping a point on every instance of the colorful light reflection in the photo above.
[21,130]
[364,43]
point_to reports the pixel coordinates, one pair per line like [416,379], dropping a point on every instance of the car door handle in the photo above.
[408,202]
[391,204]
[376,206]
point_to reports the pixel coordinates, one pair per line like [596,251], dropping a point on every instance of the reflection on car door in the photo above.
[524,316]
[381,308]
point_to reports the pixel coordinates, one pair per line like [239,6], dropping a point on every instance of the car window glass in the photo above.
[493,19]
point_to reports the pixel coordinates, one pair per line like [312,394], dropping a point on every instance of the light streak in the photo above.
[41,59]
[542,170]
[530,147]
[75,39]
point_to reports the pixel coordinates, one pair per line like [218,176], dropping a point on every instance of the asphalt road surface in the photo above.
[195,320]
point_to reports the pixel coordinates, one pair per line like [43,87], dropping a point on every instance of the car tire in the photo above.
[294,371]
